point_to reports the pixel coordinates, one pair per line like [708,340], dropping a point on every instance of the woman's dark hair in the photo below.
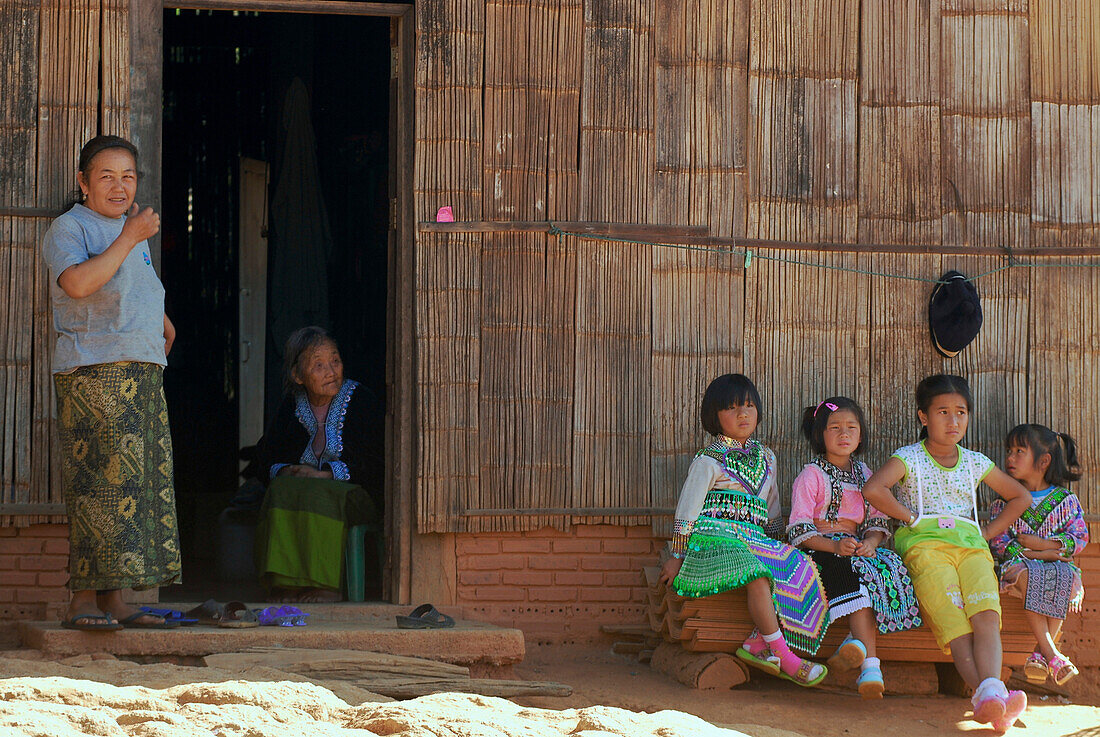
[816,418]
[1040,439]
[724,392]
[92,148]
[938,385]
[301,342]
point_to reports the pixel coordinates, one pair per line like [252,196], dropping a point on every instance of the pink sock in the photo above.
[789,663]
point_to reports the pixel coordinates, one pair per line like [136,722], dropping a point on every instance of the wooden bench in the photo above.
[720,623]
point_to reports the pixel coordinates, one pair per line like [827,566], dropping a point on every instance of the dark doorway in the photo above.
[227,75]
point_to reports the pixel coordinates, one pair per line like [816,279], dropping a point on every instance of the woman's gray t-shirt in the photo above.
[124,319]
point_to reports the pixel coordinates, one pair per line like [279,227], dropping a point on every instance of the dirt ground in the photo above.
[111,698]
[769,707]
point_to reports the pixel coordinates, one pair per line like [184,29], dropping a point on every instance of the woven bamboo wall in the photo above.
[54,55]
[566,373]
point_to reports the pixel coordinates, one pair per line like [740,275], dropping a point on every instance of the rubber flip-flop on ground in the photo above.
[238,616]
[94,623]
[208,612]
[132,623]
[424,617]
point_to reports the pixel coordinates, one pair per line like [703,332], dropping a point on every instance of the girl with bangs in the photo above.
[719,541]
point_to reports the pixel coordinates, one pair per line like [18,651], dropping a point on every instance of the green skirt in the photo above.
[116,468]
[303,530]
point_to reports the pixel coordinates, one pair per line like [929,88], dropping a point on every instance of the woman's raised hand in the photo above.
[141,224]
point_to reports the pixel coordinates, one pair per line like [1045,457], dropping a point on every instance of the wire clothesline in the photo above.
[749,255]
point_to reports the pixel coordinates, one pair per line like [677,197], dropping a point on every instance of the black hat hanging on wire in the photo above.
[954,314]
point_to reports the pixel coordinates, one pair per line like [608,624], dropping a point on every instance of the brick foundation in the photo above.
[556,586]
[33,563]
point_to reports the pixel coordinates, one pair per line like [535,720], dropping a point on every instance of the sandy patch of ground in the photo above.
[613,696]
[86,697]
[769,707]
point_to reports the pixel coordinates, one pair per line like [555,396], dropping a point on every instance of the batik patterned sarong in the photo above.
[116,464]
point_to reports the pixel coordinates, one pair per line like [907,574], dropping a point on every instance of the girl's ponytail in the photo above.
[1071,468]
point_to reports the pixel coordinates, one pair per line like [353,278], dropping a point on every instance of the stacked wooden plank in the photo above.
[720,623]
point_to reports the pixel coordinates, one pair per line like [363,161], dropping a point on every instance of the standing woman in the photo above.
[112,346]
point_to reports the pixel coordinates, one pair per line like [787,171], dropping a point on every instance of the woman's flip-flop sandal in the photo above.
[209,612]
[802,675]
[91,623]
[237,616]
[424,617]
[1036,667]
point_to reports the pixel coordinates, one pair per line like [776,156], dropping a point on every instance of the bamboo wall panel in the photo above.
[526,386]
[1065,113]
[612,347]
[986,129]
[449,88]
[1065,51]
[448,336]
[700,108]
[448,171]
[1065,174]
[899,122]
[68,93]
[18,134]
[527,101]
[954,123]
[18,111]
[114,109]
[805,329]
[1064,372]
[802,120]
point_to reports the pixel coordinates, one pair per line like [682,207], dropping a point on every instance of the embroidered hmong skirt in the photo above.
[303,529]
[116,469]
[1053,587]
[881,583]
[728,548]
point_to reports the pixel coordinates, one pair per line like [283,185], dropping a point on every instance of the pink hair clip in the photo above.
[832,407]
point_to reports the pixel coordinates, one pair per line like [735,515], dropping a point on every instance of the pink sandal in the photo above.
[1036,668]
[755,652]
[1061,669]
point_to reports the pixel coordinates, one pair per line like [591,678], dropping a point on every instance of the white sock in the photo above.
[777,635]
[990,687]
[869,663]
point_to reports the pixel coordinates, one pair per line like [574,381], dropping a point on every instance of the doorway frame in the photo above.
[146,28]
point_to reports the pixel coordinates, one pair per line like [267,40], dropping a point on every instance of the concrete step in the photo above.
[488,650]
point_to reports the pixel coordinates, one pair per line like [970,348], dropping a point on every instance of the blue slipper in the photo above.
[849,655]
[170,615]
[870,683]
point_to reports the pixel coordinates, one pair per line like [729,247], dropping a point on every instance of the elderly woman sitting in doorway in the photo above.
[323,447]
